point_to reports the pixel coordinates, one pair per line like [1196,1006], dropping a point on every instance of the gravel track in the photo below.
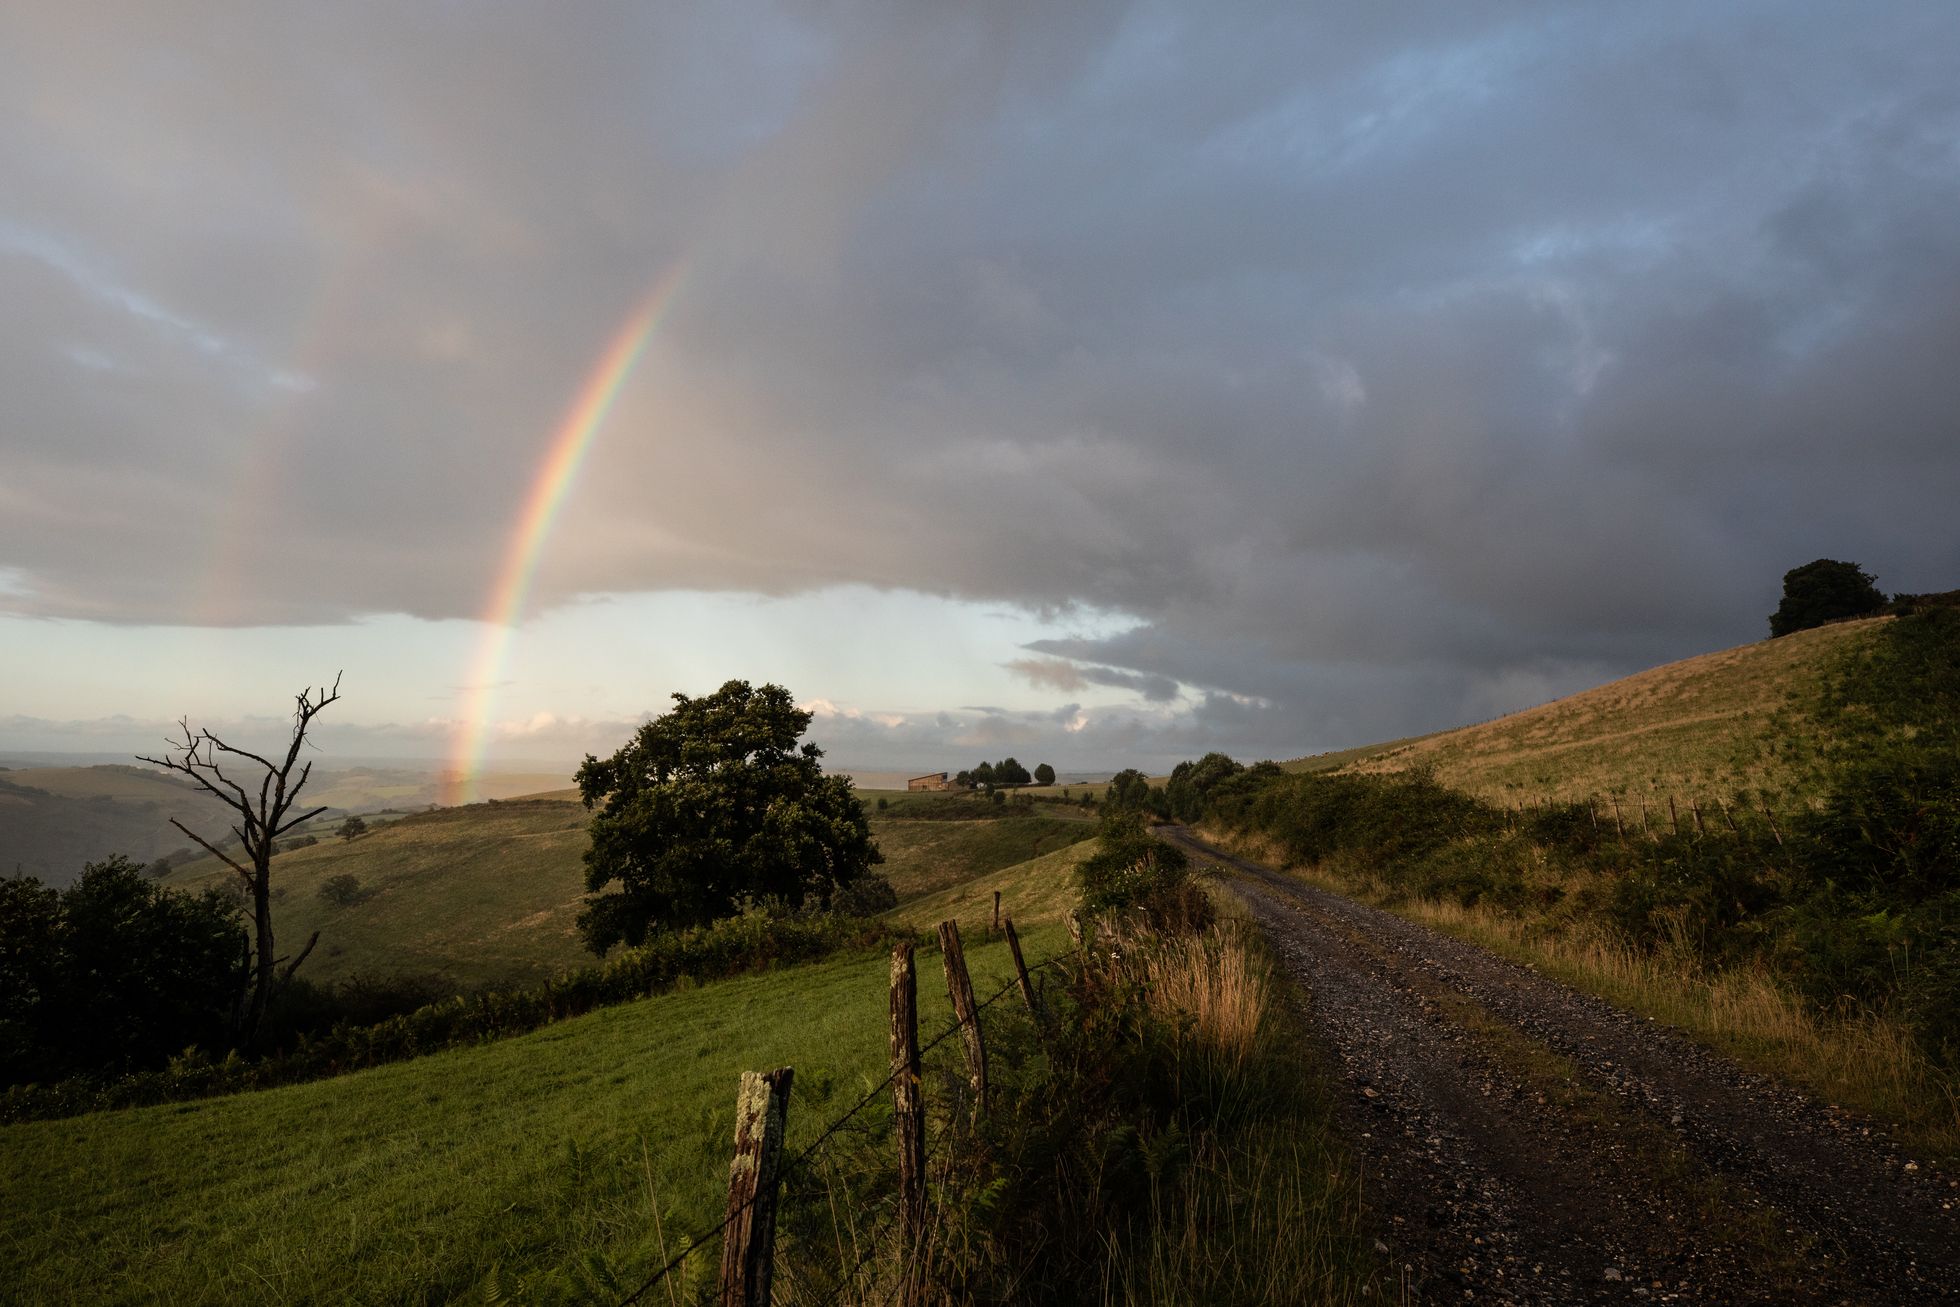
[1525,1143]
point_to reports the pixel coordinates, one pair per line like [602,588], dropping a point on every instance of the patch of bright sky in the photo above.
[607,658]
[103,286]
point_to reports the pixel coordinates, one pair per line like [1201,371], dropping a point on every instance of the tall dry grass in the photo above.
[1212,987]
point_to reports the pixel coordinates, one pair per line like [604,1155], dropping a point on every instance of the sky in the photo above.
[1096,383]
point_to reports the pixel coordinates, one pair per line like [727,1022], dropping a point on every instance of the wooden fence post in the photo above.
[1694,806]
[1592,810]
[748,1246]
[1619,827]
[908,1115]
[1644,830]
[1770,817]
[996,912]
[959,988]
[1021,971]
[1728,816]
[1673,816]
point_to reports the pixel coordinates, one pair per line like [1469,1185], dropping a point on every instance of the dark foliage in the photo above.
[1134,872]
[1192,784]
[1044,774]
[114,972]
[1130,790]
[711,806]
[730,947]
[1824,591]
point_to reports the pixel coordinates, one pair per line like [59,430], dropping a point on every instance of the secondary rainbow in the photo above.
[556,472]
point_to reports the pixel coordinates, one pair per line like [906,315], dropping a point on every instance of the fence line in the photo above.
[829,1131]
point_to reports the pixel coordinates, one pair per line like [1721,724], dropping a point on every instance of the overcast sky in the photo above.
[1097,383]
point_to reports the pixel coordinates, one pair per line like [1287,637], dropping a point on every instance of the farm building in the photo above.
[934,781]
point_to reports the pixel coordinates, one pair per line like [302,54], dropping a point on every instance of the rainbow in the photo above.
[555,475]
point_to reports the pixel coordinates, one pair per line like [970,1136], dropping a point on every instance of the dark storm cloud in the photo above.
[1387,364]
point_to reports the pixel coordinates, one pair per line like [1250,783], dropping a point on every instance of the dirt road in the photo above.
[1523,1143]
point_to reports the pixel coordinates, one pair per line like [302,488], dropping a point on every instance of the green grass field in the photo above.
[489,894]
[1038,890]
[924,857]
[482,895]
[1707,727]
[408,1183]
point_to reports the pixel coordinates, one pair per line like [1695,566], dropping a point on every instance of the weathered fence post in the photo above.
[1728,816]
[996,912]
[1619,827]
[959,988]
[1592,810]
[1021,971]
[1673,817]
[908,1116]
[1644,830]
[748,1246]
[1770,817]
[1694,806]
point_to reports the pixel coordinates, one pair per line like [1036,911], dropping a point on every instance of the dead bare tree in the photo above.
[263,816]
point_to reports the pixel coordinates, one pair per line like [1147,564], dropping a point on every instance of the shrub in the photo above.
[341,891]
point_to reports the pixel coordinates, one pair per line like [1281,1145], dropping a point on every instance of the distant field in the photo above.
[408,1183]
[1740,719]
[481,895]
[489,894]
[54,820]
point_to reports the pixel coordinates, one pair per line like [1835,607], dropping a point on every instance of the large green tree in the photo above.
[113,972]
[713,805]
[1824,591]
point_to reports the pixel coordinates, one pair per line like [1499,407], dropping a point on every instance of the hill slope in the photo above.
[55,819]
[1741,719]
[414,1182]
[489,894]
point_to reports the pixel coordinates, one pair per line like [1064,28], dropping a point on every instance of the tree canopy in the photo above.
[1130,789]
[1825,590]
[710,806]
[1044,774]
[1191,784]
[113,972]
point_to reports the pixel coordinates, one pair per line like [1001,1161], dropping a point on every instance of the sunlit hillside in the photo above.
[1742,719]
[489,894]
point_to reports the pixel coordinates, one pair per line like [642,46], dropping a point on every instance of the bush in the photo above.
[342,891]
[867,896]
[1134,872]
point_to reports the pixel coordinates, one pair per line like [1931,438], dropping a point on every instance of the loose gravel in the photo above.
[1526,1143]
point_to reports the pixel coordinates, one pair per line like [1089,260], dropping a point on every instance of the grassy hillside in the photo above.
[1747,718]
[55,819]
[535,1155]
[480,895]
[489,894]
[923,857]
[1038,890]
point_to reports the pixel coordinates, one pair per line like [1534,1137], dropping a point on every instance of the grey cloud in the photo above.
[1386,364]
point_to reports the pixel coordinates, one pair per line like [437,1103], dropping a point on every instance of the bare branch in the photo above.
[288,975]
[299,821]
[224,858]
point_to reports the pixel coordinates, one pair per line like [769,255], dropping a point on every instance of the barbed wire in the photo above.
[829,1131]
